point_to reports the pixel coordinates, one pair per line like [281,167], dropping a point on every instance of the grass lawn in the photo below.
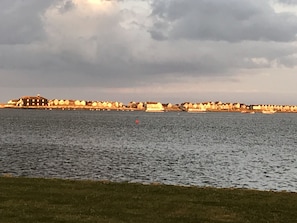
[30,200]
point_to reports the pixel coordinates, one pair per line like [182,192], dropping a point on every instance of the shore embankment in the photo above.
[57,200]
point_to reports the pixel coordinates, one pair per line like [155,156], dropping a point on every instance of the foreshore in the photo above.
[57,200]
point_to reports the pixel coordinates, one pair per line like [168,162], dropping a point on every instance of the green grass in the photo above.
[52,200]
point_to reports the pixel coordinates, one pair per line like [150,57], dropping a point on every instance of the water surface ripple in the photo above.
[210,149]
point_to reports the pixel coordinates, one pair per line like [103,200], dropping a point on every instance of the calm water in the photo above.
[209,149]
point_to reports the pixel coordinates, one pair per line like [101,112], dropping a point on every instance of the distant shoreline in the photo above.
[90,108]
[39,102]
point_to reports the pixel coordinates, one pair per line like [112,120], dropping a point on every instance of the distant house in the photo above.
[37,101]
[140,106]
[79,103]
[13,102]
[132,104]
[255,107]
[167,106]
[154,107]
[185,106]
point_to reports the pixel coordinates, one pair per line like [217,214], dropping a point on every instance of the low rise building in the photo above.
[154,107]
[32,101]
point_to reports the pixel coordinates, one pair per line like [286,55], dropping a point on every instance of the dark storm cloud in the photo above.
[69,43]
[218,20]
[21,21]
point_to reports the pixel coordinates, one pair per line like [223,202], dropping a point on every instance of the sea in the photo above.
[212,149]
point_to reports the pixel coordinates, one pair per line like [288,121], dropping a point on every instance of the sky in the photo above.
[150,50]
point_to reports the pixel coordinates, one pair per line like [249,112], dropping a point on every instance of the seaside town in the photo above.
[39,102]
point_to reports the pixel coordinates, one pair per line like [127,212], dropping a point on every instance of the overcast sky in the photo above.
[150,50]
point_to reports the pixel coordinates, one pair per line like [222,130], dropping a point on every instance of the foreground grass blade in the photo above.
[31,200]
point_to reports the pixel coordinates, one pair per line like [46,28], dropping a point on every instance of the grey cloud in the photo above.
[115,56]
[21,21]
[67,6]
[288,60]
[219,20]
[288,2]
[118,69]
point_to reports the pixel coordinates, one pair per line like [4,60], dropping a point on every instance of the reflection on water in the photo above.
[209,149]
